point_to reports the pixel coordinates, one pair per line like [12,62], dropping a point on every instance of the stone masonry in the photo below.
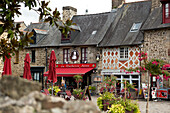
[68,13]
[40,57]
[157,43]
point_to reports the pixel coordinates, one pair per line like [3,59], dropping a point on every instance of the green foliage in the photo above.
[56,89]
[9,8]
[99,103]
[105,96]
[116,102]
[117,108]
[78,78]
[93,88]
[78,93]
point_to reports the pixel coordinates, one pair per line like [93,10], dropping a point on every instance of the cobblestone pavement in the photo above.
[154,107]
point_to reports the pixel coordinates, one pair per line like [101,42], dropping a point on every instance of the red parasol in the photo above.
[52,68]
[7,67]
[27,72]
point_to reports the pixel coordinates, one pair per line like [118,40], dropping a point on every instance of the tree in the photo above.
[78,79]
[10,8]
[153,67]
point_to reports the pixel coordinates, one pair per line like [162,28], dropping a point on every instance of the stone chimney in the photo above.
[68,12]
[155,4]
[116,3]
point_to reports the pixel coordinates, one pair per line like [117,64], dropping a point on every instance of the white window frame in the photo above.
[125,55]
[135,27]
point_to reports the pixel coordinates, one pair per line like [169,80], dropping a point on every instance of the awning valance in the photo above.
[70,72]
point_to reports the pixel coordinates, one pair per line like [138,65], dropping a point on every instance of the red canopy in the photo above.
[27,72]
[52,68]
[70,72]
[7,67]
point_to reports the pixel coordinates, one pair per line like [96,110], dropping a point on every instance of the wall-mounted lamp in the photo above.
[97,79]
[97,57]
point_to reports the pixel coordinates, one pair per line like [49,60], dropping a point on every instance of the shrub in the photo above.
[116,108]
[56,89]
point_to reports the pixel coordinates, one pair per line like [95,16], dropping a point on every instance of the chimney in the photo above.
[68,12]
[155,4]
[116,3]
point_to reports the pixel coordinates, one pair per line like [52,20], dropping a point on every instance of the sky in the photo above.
[93,6]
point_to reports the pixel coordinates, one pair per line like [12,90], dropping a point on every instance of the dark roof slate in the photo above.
[93,28]
[154,20]
[119,32]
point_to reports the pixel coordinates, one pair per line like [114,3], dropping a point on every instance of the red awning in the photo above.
[70,72]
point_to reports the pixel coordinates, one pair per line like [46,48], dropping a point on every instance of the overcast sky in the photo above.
[93,6]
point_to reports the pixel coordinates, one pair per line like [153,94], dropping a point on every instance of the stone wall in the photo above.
[157,43]
[116,3]
[155,4]
[40,57]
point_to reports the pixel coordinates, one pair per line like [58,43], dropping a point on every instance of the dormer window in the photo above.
[166,11]
[66,39]
[33,37]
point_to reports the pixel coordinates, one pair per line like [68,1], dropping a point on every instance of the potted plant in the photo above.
[78,93]
[78,79]
[56,89]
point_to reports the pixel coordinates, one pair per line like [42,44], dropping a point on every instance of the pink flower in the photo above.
[155,62]
[150,74]
[140,59]
[107,84]
[138,71]
[124,70]
[144,68]
[132,72]
[157,77]
[145,54]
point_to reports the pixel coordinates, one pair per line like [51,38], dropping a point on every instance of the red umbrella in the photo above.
[27,72]
[52,69]
[7,67]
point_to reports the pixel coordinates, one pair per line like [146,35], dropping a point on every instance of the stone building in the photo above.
[4,35]
[77,51]
[156,31]
[120,46]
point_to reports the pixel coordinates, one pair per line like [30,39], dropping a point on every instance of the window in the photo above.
[124,53]
[65,56]
[33,56]
[64,37]
[16,57]
[33,38]
[135,27]
[84,55]
[167,10]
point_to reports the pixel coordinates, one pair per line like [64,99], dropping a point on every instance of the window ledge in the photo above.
[123,59]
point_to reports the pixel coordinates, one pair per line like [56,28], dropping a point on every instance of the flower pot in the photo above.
[129,111]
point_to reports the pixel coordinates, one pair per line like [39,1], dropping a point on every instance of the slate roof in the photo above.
[93,28]
[46,35]
[119,32]
[154,20]
[85,34]
[103,29]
